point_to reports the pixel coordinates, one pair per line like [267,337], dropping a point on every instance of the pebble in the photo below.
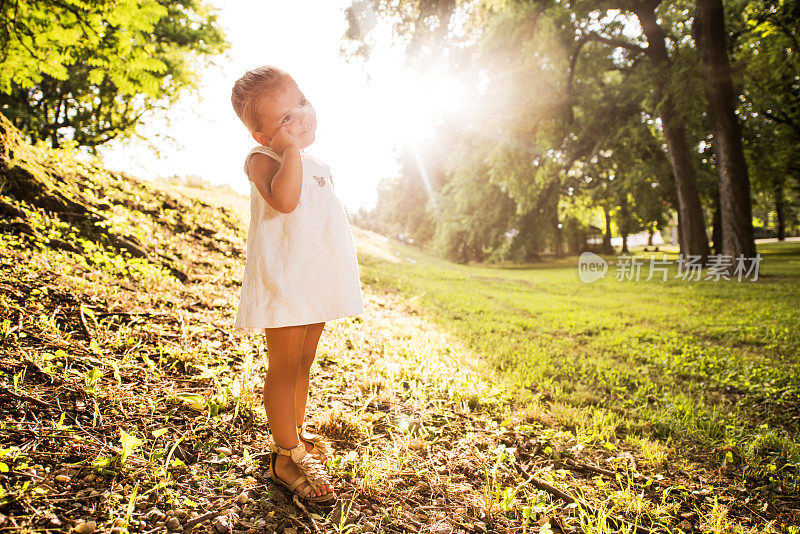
[86,527]
[62,478]
[174,524]
[156,515]
[221,524]
[243,498]
[223,450]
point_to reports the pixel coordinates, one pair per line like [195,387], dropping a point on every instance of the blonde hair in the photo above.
[248,90]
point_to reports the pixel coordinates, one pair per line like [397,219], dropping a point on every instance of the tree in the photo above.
[574,80]
[735,206]
[473,216]
[573,27]
[773,152]
[89,71]
[764,47]
[691,226]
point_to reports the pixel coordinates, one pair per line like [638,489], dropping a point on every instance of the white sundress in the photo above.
[301,267]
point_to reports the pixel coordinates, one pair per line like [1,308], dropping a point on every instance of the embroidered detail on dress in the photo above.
[320,180]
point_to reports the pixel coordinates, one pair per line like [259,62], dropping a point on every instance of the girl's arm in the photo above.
[278,183]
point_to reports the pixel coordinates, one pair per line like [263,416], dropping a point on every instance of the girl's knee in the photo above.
[306,360]
[284,369]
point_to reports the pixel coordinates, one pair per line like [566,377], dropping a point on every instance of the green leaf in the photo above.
[129,444]
[88,312]
[91,377]
[193,400]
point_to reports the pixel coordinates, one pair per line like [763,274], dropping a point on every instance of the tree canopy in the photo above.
[596,114]
[89,71]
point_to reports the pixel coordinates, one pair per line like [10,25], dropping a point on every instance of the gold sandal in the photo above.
[321,448]
[312,472]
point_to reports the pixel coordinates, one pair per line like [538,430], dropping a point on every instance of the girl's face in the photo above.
[287,107]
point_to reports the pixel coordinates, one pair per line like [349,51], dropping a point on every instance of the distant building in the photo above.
[639,239]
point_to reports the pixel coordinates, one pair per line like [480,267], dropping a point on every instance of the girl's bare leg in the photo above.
[307,354]
[284,346]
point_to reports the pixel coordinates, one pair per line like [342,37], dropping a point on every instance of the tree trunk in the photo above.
[650,237]
[716,224]
[691,226]
[558,245]
[624,222]
[736,210]
[779,211]
[607,248]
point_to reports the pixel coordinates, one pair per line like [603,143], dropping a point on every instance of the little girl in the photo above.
[300,270]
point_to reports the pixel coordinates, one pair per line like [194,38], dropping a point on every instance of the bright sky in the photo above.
[358,122]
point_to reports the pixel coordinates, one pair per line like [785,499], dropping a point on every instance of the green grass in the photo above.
[710,367]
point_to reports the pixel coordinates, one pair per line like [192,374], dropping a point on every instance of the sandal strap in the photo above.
[297,482]
[309,436]
[320,445]
[296,453]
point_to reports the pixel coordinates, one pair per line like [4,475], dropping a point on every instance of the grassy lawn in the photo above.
[699,370]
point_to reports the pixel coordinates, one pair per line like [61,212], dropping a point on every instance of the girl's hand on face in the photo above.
[283,140]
